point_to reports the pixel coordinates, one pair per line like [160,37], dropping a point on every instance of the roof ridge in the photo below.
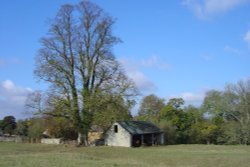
[140,127]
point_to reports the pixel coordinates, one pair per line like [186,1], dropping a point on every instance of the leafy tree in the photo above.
[9,125]
[195,115]
[237,97]
[205,132]
[173,113]
[176,102]
[150,108]
[214,104]
[59,127]
[231,105]
[170,133]
[231,133]
[180,120]
[36,128]
[76,59]
[113,108]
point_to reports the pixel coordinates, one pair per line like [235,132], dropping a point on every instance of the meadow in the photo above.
[38,155]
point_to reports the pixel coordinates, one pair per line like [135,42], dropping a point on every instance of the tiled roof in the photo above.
[139,127]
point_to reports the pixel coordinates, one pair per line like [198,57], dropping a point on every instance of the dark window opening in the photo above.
[116,128]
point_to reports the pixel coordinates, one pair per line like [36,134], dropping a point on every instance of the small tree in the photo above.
[36,128]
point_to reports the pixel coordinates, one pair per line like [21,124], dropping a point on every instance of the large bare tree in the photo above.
[76,59]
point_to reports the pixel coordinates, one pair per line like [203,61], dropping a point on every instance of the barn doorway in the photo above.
[136,141]
[144,139]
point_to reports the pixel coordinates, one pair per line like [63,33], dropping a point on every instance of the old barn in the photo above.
[134,134]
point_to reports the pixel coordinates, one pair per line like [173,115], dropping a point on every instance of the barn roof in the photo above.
[139,127]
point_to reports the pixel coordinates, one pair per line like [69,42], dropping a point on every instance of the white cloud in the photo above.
[8,85]
[142,82]
[12,99]
[154,62]
[135,67]
[247,37]
[190,98]
[204,9]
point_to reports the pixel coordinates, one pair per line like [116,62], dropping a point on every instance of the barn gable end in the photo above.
[117,136]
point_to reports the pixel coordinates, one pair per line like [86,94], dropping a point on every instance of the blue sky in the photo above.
[178,48]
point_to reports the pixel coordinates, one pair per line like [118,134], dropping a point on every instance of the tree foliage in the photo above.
[36,128]
[181,121]
[59,127]
[9,125]
[150,108]
[113,108]
[231,107]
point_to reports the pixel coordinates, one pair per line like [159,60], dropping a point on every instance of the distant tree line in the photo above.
[223,118]
[35,128]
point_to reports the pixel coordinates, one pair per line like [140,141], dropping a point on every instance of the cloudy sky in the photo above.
[179,48]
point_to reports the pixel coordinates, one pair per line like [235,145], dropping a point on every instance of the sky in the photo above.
[180,48]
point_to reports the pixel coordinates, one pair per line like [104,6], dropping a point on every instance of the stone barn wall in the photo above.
[119,138]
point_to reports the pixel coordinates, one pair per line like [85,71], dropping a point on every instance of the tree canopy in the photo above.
[231,107]
[9,125]
[150,108]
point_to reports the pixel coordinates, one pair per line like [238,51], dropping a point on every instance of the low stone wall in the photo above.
[11,139]
[51,141]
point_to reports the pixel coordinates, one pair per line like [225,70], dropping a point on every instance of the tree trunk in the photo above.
[82,139]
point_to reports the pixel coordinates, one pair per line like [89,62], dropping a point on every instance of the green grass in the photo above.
[38,155]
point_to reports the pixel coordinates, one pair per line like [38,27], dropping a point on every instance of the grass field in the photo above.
[38,155]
